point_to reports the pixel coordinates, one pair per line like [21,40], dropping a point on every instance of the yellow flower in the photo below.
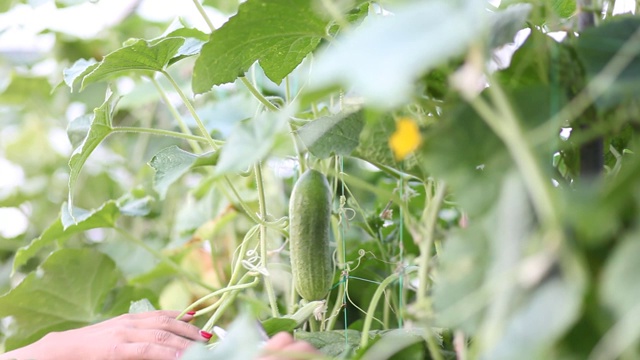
[405,139]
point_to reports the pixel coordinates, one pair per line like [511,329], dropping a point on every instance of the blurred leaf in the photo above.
[398,49]
[134,206]
[507,23]
[564,8]
[337,135]
[99,130]
[251,141]
[331,343]
[543,316]
[393,342]
[104,216]
[242,342]
[597,46]
[620,290]
[277,33]
[29,91]
[66,292]
[141,306]
[273,326]
[172,162]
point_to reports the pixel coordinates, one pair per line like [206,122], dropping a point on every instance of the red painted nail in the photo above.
[206,335]
[192,312]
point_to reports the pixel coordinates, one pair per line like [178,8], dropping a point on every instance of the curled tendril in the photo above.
[254,263]
[345,212]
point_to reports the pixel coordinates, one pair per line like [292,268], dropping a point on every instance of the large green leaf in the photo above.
[382,58]
[564,8]
[100,128]
[277,33]
[251,141]
[171,163]
[337,134]
[597,46]
[66,225]
[67,291]
[26,91]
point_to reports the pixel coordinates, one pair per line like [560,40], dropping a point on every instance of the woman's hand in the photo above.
[283,347]
[153,335]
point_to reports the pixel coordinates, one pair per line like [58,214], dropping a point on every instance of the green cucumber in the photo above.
[309,229]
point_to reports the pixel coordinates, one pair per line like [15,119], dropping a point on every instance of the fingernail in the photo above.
[206,335]
[192,312]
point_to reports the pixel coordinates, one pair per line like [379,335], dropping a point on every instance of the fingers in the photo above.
[145,351]
[283,347]
[166,321]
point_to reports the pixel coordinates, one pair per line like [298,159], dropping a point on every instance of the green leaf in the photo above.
[620,289]
[242,342]
[564,8]
[507,23]
[99,130]
[66,292]
[104,216]
[543,316]
[171,163]
[138,55]
[141,306]
[382,58]
[250,142]
[273,326]
[597,46]
[277,33]
[26,91]
[78,129]
[77,71]
[338,134]
[331,343]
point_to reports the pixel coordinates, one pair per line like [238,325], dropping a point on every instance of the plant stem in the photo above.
[258,95]
[364,339]
[505,125]
[192,111]
[432,345]
[204,15]
[158,255]
[226,300]
[172,109]
[159,132]
[216,293]
[263,240]
[425,245]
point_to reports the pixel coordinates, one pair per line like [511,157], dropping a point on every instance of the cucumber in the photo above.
[309,229]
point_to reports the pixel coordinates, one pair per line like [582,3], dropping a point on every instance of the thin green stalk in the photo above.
[505,125]
[364,339]
[432,345]
[426,243]
[158,255]
[229,299]
[252,89]
[159,132]
[340,297]
[216,293]
[204,15]
[262,204]
[174,112]
[192,111]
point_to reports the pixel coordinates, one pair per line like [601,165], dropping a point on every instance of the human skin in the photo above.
[155,335]
[151,335]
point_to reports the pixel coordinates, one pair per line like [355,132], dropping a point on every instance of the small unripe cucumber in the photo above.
[309,227]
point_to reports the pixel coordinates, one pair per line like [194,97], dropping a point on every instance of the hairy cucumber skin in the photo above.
[309,231]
